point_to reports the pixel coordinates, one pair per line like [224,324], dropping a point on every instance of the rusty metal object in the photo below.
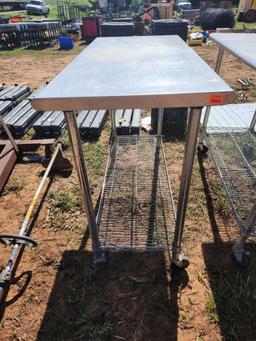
[8,155]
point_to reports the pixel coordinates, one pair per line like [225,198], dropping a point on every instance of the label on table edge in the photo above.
[216,99]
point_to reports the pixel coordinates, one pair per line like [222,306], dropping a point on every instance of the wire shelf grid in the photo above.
[136,210]
[237,168]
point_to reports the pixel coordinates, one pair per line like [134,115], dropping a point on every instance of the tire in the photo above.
[250,15]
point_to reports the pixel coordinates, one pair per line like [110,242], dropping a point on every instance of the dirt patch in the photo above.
[133,296]
[232,69]
[35,68]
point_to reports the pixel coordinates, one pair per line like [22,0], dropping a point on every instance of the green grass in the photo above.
[63,204]
[40,53]
[65,201]
[234,300]
[211,309]
[82,321]
[95,156]
[14,185]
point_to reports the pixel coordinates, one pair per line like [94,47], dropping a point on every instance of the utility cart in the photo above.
[136,210]
[230,135]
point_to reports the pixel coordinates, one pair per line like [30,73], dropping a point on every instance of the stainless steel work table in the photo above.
[136,206]
[232,144]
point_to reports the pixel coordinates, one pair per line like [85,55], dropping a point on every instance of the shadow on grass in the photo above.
[128,298]
[209,200]
[233,301]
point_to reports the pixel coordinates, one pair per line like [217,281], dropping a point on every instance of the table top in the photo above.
[134,72]
[242,45]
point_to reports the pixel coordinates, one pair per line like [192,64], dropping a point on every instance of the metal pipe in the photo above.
[6,273]
[217,70]
[238,248]
[219,60]
[160,122]
[253,123]
[250,222]
[189,153]
[113,122]
[84,183]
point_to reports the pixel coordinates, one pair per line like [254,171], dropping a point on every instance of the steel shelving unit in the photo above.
[136,210]
[230,135]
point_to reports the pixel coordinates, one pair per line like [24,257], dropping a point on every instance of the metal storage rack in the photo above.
[230,134]
[136,207]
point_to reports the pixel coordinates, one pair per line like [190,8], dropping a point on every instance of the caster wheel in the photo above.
[202,150]
[99,260]
[180,264]
[243,262]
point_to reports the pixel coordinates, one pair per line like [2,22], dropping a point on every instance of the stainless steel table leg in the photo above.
[193,127]
[238,249]
[160,122]
[219,60]
[113,122]
[253,123]
[84,184]
[208,109]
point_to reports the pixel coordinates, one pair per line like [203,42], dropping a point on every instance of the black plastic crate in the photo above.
[174,122]
[170,27]
[117,29]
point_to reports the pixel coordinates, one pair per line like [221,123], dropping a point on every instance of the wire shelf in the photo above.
[234,154]
[136,210]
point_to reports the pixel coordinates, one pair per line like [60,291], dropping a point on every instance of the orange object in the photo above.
[15,19]
[147,18]
[216,99]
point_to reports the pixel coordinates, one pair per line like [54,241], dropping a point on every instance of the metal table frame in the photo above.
[232,43]
[190,147]
[194,99]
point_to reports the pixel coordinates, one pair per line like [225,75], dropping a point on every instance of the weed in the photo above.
[211,309]
[220,202]
[62,204]
[183,321]
[234,300]
[95,153]
[201,275]
[65,201]
[14,185]
[85,321]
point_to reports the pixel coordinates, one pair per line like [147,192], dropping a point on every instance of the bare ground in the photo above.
[132,297]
